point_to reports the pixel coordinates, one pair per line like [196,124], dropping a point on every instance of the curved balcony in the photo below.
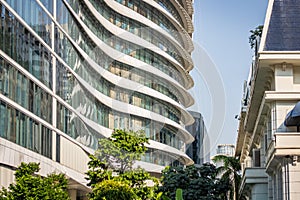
[132,110]
[180,155]
[131,85]
[188,26]
[184,37]
[119,32]
[118,55]
[112,104]
[188,6]
[153,144]
[187,99]
[131,30]
[184,19]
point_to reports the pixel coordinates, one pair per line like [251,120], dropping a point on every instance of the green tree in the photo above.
[230,172]
[122,149]
[112,190]
[196,182]
[29,185]
[255,34]
[113,162]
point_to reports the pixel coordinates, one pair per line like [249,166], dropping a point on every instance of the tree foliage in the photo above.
[196,182]
[255,34]
[112,164]
[121,150]
[112,190]
[230,172]
[29,185]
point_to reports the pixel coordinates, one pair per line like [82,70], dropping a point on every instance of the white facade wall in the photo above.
[259,192]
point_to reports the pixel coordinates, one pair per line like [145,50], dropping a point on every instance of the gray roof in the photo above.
[284,27]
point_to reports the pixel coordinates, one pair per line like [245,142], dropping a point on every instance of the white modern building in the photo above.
[223,150]
[268,142]
[73,70]
[226,149]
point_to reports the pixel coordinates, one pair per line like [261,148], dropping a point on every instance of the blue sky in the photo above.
[221,32]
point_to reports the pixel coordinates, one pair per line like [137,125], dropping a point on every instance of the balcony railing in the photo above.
[284,144]
[287,140]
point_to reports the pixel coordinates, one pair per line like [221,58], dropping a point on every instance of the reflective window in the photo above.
[34,16]
[23,91]
[160,158]
[17,127]
[72,125]
[48,4]
[17,42]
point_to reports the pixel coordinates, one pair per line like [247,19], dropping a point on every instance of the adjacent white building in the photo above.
[269,150]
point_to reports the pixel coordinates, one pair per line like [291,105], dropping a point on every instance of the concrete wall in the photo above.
[11,156]
[259,192]
[294,181]
[6,176]
[73,156]
[287,78]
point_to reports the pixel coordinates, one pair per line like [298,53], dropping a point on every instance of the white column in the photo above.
[54,102]
[294,177]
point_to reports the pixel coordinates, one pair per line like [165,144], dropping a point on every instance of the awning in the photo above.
[293,117]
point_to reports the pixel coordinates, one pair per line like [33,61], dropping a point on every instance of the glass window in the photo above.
[24,48]
[35,17]
[18,88]
[48,4]
[24,131]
